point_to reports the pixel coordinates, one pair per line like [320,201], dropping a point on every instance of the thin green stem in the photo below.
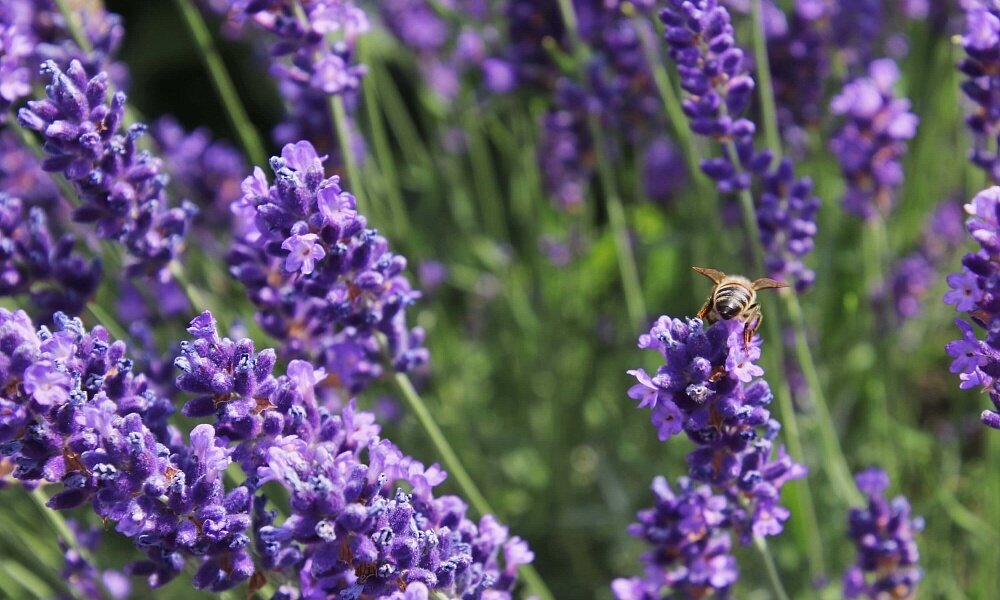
[222,82]
[634,302]
[772,570]
[75,29]
[62,530]
[456,469]
[765,87]
[342,131]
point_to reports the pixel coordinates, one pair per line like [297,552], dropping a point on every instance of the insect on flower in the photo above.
[735,297]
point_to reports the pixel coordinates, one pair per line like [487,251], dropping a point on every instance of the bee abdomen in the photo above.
[731,300]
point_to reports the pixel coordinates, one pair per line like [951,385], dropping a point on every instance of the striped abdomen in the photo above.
[731,299]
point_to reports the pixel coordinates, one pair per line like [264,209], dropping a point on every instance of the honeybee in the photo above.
[735,297]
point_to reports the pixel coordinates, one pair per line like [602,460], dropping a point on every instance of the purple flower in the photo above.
[888,563]
[981,43]
[718,89]
[871,142]
[46,384]
[709,389]
[53,276]
[323,282]
[303,252]
[121,187]
[975,292]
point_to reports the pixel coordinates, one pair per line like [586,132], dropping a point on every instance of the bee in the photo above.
[735,297]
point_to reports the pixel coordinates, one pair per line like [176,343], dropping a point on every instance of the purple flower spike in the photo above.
[888,564]
[121,187]
[871,143]
[708,388]
[323,282]
[981,42]
[975,290]
[718,89]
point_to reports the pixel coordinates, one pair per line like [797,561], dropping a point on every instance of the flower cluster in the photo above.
[717,90]
[871,142]
[78,415]
[33,31]
[888,564]
[981,65]
[312,48]
[208,171]
[798,52]
[566,154]
[976,292]
[323,282]
[914,275]
[709,388]
[84,575]
[691,553]
[530,26]
[53,276]
[121,187]
[351,530]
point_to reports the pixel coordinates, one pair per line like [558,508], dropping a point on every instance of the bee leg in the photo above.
[755,318]
[705,309]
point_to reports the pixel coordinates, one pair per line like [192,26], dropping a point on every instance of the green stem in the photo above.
[62,530]
[456,469]
[634,302]
[222,82]
[342,131]
[765,87]
[74,28]
[772,570]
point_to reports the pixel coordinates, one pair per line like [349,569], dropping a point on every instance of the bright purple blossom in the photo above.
[122,189]
[709,388]
[323,282]
[872,140]
[888,564]
[718,89]
[976,292]
[981,42]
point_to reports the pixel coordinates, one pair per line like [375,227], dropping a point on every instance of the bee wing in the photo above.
[715,276]
[766,283]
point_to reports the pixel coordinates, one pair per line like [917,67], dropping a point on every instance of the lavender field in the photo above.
[364,299]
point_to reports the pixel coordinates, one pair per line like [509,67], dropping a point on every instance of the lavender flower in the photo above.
[566,153]
[718,89]
[663,172]
[529,24]
[708,389]
[21,175]
[86,576]
[323,282]
[871,143]
[691,550]
[914,275]
[974,291]
[800,62]
[79,415]
[209,172]
[51,273]
[981,64]
[349,531]
[121,187]
[888,564]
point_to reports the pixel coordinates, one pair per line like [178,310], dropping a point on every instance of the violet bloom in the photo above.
[352,531]
[691,549]
[208,171]
[323,282]
[49,272]
[33,31]
[566,150]
[718,89]
[709,388]
[800,62]
[913,276]
[974,291]
[121,188]
[888,564]
[981,65]
[663,170]
[871,142]
[529,23]
[102,433]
